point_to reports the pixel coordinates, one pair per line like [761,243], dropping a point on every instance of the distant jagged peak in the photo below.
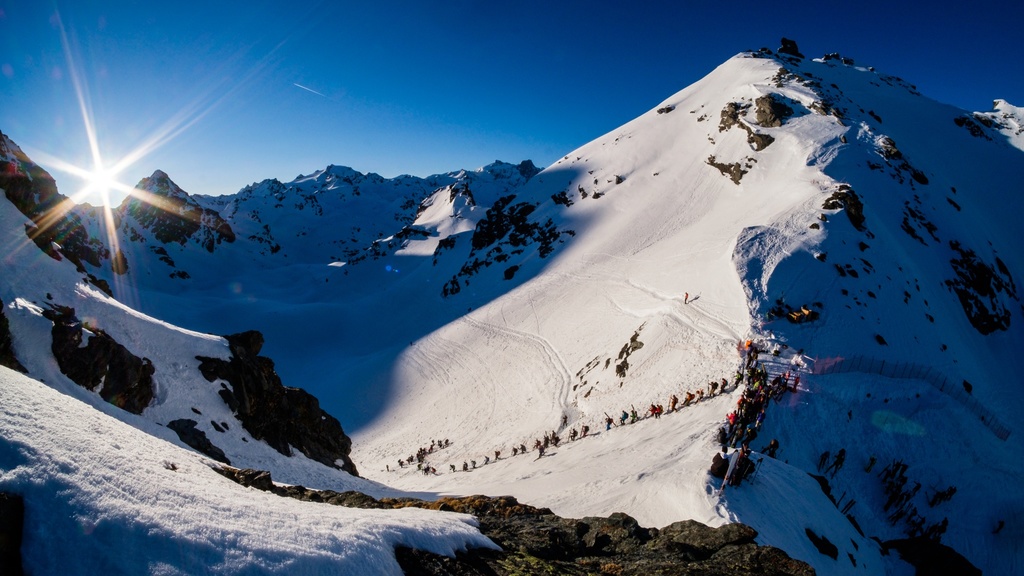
[504,170]
[160,184]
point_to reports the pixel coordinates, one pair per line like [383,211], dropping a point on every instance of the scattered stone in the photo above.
[980,288]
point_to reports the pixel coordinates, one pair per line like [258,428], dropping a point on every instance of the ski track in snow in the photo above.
[555,362]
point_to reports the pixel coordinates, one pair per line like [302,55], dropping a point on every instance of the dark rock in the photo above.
[196,438]
[770,112]
[789,47]
[845,198]
[760,141]
[931,557]
[7,357]
[12,522]
[281,416]
[125,380]
[698,541]
[734,170]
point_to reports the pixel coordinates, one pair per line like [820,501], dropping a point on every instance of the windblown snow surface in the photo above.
[501,362]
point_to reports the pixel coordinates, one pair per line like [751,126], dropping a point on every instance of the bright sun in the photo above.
[101,182]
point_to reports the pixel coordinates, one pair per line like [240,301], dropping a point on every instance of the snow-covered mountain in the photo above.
[860,233]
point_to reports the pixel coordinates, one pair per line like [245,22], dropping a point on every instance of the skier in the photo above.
[686,298]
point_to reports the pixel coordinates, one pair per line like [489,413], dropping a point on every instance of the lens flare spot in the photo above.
[895,424]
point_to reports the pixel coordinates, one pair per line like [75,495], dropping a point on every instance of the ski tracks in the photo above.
[554,360]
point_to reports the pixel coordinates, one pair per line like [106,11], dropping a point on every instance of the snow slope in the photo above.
[126,502]
[688,199]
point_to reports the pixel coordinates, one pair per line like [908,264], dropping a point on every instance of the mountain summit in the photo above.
[858,233]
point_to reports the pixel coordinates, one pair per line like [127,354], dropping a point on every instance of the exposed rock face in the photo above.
[789,47]
[7,357]
[173,216]
[125,380]
[281,416]
[535,541]
[196,438]
[12,520]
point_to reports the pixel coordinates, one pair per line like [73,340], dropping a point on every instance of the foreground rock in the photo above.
[281,416]
[536,541]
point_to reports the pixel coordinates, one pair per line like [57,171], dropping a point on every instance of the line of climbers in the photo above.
[541,445]
[742,425]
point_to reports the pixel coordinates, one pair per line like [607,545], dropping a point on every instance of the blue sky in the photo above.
[235,92]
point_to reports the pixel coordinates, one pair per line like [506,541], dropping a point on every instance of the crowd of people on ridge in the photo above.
[741,425]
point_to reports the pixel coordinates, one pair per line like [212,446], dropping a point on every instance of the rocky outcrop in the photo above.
[734,170]
[196,438]
[771,112]
[844,198]
[281,416]
[536,541]
[789,47]
[505,231]
[123,379]
[7,357]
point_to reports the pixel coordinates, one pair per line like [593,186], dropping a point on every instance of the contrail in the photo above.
[309,90]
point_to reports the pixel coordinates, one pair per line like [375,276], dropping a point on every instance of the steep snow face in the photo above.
[770,185]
